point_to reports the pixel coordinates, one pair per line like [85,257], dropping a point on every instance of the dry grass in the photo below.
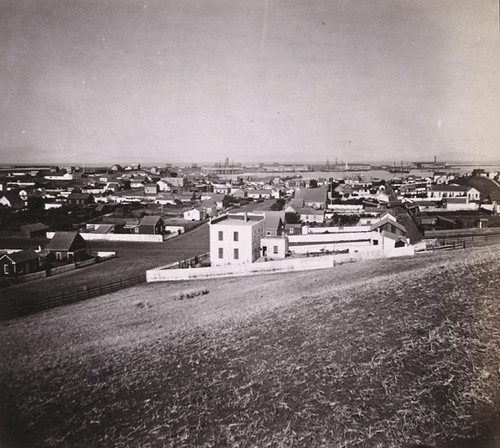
[401,353]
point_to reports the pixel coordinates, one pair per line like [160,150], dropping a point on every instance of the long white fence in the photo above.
[130,237]
[271,267]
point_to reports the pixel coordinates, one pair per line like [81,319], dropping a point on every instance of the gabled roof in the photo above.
[387,218]
[150,220]
[23,255]
[272,217]
[62,241]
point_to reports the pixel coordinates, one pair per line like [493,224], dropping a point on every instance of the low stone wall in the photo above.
[32,277]
[61,269]
[82,264]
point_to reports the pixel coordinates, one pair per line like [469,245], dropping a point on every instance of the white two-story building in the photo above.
[235,238]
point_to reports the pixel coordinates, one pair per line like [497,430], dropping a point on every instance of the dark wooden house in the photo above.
[19,263]
[67,246]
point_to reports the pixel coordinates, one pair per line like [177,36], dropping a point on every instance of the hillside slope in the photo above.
[391,353]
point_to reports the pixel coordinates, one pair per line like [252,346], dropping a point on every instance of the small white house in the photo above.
[274,247]
[195,214]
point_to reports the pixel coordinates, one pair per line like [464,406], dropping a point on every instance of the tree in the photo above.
[278,205]
[292,218]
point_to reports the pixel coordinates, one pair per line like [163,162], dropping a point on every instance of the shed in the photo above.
[152,225]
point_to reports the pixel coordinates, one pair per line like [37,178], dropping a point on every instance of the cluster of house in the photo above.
[63,248]
[240,238]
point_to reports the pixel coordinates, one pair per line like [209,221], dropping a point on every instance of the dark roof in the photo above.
[80,195]
[33,227]
[23,255]
[272,218]
[449,188]
[62,240]
[150,220]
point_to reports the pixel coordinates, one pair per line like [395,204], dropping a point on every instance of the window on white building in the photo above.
[235,236]
[236,254]
[221,252]
[220,235]
[275,249]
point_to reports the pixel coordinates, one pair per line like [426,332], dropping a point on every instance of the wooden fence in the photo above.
[463,241]
[24,307]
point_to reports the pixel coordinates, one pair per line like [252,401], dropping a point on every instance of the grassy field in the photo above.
[393,353]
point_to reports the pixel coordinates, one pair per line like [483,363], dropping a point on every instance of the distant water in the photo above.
[368,176]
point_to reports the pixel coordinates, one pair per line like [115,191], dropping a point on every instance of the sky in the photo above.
[196,81]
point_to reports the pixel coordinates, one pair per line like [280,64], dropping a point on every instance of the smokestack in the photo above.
[434,160]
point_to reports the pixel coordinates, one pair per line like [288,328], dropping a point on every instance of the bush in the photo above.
[190,294]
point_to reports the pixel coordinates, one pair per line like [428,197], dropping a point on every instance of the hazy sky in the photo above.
[104,81]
